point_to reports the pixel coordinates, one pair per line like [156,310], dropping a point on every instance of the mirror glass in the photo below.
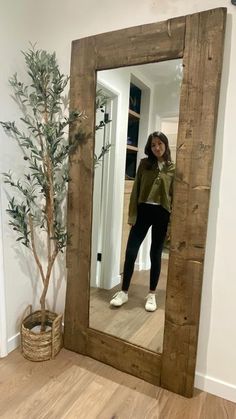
[132,102]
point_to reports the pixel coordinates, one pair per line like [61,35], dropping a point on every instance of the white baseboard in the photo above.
[141,266]
[13,343]
[214,386]
[115,280]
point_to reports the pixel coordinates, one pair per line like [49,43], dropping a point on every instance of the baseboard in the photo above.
[116,280]
[13,343]
[141,266]
[214,386]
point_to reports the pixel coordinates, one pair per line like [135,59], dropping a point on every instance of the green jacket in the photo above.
[151,185]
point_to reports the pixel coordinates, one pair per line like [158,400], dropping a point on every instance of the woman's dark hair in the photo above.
[148,149]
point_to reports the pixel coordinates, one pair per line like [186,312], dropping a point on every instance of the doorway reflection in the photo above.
[139,100]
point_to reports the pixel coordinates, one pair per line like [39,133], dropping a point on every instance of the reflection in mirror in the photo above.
[139,100]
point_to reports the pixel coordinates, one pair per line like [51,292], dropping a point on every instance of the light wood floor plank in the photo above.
[131,322]
[76,387]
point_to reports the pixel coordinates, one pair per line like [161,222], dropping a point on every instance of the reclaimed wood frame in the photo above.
[198,39]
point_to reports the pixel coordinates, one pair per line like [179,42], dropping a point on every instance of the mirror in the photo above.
[138,100]
[198,40]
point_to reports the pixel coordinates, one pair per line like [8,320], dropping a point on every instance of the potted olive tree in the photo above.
[37,207]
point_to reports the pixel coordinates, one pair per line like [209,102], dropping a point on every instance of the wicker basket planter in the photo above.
[41,346]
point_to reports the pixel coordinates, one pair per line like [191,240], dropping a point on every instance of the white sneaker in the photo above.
[119,299]
[151,304]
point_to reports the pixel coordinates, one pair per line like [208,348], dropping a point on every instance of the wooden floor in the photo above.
[76,387]
[131,322]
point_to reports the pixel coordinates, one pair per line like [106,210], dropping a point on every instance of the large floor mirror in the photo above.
[158,77]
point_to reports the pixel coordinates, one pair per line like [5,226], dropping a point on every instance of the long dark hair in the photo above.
[148,150]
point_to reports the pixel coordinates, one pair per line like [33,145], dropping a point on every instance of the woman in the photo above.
[150,206]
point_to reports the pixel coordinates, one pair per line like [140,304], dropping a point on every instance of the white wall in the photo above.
[118,82]
[169,126]
[53,24]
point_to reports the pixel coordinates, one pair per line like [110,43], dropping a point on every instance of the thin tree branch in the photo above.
[34,248]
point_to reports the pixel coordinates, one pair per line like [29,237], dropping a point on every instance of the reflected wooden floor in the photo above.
[131,322]
[73,386]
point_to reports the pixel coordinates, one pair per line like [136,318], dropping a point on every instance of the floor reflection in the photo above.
[131,322]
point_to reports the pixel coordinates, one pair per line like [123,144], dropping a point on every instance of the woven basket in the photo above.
[43,345]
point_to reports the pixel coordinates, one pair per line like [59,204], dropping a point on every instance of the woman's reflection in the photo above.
[150,206]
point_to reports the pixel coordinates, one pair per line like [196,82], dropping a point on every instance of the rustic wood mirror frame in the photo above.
[198,39]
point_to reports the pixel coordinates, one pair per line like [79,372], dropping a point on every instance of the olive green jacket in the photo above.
[151,185]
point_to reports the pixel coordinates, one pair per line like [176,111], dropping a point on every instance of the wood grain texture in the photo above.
[140,44]
[198,39]
[195,148]
[124,356]
[82,94]
[74,386]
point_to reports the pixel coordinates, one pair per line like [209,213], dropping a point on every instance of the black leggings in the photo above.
[148,215]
